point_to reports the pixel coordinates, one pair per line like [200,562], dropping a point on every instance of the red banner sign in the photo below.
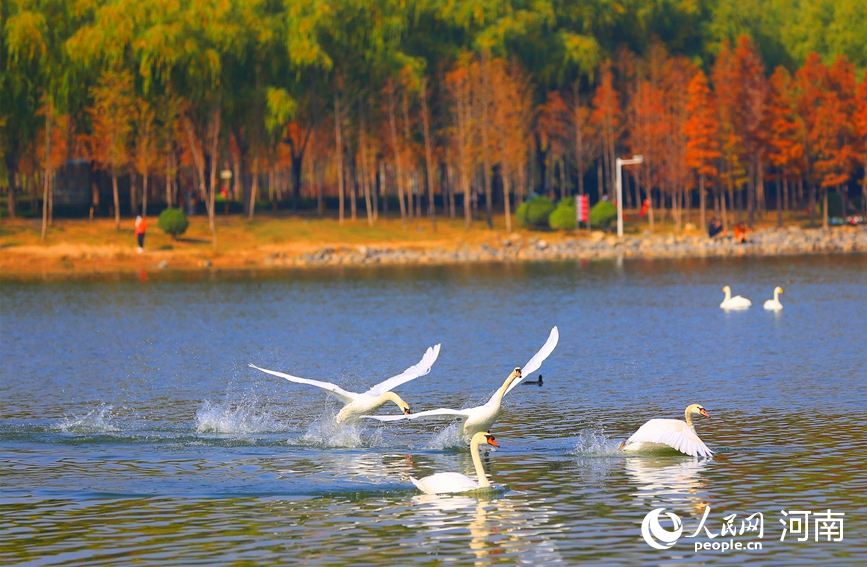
[582,206]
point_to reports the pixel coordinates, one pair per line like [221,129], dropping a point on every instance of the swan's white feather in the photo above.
[445,483]
[675,433]
[441,411]
[736,302]
[345,397]
[422,368]
[535,363]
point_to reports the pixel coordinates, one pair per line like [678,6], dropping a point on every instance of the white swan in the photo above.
[481,418]
[736,302]
[450,482]
[674,433]
[774,304]
[357,405]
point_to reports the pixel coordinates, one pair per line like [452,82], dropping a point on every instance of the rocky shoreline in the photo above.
[786,241]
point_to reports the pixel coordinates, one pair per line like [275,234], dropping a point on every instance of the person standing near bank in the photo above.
[141,225]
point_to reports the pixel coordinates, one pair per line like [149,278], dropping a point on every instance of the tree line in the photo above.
[464,104]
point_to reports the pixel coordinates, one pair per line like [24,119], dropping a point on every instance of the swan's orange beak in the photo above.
[492,441]
[703,412]
[406,411]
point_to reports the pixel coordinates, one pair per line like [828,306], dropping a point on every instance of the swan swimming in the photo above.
[451,482]
[356,405]
[673,433]
[774,304]
[736,302]
[481,418]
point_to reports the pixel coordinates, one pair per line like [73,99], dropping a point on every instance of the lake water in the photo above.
[132,430]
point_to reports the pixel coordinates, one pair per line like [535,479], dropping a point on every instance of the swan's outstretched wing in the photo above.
[345,397]
[441,411]
[423,367]
[674,433]
[536,362]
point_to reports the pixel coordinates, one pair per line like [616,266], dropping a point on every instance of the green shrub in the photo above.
[563,217]
[173,222]
[535,212]
[602,213]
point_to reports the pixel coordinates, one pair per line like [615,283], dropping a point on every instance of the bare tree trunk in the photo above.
[319,174]
[410,168]
[168,180]
[47,176]
[10,178]
[786,194]
[428,154]
[362,149]
[215,139]
[779,202]
[701,203]
[373,172]
[486,158]
[254,190]
[133,204]
[824,207]
[144,195]
[392,122]
[338,140]
[812,204]
[116,200]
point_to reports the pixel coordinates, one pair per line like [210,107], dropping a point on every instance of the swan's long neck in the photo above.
[689,419]
[777,295]
[386,397]
[477,463]
[728,298]
[498,395]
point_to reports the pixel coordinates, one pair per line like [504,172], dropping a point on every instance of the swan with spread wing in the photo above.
[674,433]
[481,418]
[356,405]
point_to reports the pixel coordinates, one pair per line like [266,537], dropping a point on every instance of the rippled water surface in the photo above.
[132,430]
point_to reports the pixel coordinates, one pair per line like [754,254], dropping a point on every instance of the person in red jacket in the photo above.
[141,225]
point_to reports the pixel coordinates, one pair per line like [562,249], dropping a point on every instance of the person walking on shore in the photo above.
[141,225]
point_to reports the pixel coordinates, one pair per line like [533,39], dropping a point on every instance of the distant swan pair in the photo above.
[739,302]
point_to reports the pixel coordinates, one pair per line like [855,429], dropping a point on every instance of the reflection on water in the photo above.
[667,482]
[131,429]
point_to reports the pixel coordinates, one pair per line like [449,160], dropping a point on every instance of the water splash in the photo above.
[449,438]
[326,432]
[594,442]
[234,417]
[97,420]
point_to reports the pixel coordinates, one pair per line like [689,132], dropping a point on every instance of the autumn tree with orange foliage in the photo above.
[834,133]
[607,117]
[785,147]
[702,131]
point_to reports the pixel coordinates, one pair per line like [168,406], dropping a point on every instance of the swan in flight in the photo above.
[450,482]
[774,304]
[481,418]
[674,433]
[736,302]
[357,405]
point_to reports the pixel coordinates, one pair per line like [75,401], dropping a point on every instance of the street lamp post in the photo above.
[621,162]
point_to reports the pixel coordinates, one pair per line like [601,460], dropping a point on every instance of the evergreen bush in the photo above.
[563,217]
[535,212]
[602,213]
[173,222]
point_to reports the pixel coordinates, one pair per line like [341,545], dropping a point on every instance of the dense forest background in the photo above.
[455,107]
